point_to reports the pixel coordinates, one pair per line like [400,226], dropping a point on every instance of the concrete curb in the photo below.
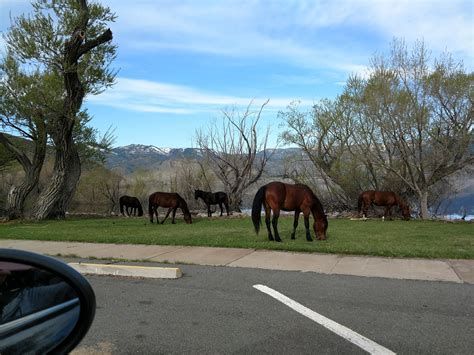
[452,270]
[128,270]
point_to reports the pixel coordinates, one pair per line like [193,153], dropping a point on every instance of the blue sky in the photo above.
[181,62]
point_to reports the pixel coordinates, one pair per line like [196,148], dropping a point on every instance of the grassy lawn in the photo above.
[424,239]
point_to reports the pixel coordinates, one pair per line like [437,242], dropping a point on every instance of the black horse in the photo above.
[215,198]
[130,202]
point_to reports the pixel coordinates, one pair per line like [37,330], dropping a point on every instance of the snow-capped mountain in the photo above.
[139,156]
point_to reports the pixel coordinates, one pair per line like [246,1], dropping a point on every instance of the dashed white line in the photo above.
[348,334]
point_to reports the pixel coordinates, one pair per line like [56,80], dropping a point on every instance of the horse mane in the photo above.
[317,206]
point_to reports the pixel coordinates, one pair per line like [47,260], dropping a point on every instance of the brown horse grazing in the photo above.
[277,196]
[171,200]
[382,198]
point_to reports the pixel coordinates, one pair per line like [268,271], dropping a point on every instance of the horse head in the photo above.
[320,226]
[405,211]
[404,208]
[187,218]
[184,207]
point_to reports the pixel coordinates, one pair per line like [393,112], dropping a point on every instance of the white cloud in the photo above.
[149,96]
[308,34]
[441,24]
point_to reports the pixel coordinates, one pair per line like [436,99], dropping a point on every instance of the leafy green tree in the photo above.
[407,125]
[421,118]
[324,134]
[22,112]
[69,41]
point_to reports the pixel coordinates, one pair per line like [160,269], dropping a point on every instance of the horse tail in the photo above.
[257,208]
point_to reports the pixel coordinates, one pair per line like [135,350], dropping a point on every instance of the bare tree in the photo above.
[235,153]
[111,190]
[99,190]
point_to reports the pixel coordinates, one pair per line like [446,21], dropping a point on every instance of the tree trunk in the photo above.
[235,202]
[55,200]
[423,196]
[18,193]
[15,200]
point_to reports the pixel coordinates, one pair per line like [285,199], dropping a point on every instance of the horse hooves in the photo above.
[310,239]
[173,222]
[292,236]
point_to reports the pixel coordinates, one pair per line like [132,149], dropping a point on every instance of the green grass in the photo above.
[423,239]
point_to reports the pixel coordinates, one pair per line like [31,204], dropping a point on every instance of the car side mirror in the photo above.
[45,305]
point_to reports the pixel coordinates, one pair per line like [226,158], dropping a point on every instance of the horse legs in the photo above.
[388,212]
[167,214]
[295,223]
[154,212]
[276,214]
[209,213]
[365,208]
[220,206]
[267,222]
[174,215]
[226,207]
[306,226]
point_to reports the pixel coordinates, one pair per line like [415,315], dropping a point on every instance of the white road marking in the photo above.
[348,334]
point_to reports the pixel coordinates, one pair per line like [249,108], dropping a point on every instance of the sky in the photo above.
[180,63]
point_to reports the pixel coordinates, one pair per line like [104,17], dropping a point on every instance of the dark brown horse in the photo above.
[217,198]
[170,200]
[277,196]
[130,202]
[382,198]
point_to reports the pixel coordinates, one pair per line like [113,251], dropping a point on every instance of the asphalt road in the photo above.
[215,310]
